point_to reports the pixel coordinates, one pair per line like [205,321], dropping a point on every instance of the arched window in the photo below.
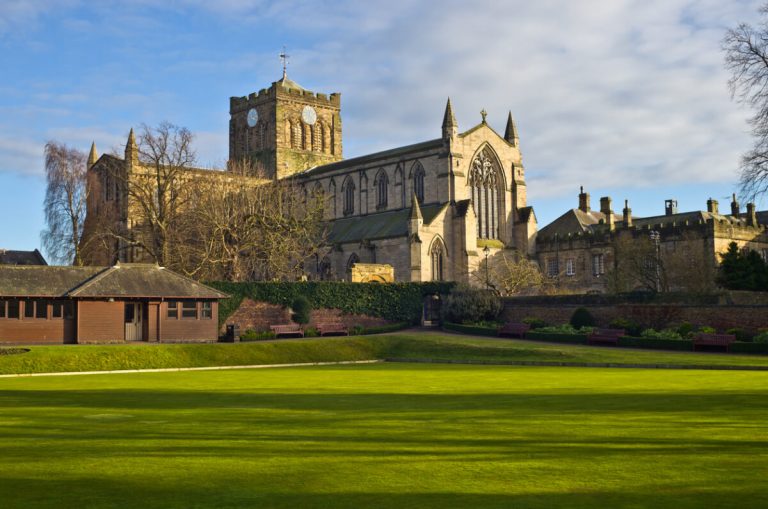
[332,197]
[348,191]
[350,263]
[363,193]
[381,182]
[317,137]
[418,181]
[486,183]
[399,186]
[296,134]
[437,254]
[324,270]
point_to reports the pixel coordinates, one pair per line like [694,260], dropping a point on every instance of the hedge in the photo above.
[577,339]
[739,347]
[475,330]
[656,343]
[395,302]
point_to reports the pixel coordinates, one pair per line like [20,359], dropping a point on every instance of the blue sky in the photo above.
[627,98]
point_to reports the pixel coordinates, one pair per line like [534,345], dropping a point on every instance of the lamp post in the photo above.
[656,239]
[487,251]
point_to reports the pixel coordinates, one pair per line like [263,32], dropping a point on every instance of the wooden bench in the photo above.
[610,336]
[705,339]
[290,329]
[514,329]
[329,329]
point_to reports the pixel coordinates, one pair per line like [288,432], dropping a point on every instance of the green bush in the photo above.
[469,305]
[741,334]
[761,337]
[356,330]
[535,323]
[631,327]
[685,329]
[566,328]
[301,310]
[666,334]
[310,332]
[582,318]
[706,329]
[253,335]
[391,327]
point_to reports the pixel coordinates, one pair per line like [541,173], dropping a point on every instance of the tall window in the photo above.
[382,183]
[418,182]
[570,269]
[348,190]
[332,194]
[324,271]
[553,267]
[598,265]
[399,186]
[485,182]
[436,255]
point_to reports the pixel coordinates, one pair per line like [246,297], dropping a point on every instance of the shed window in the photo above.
[173,309]
[29,308]
[13,309]
[2,308]
[206,311]
[57,309]
[41,309]
[189,309]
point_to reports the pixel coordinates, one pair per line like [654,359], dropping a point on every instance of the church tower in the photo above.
[285,129]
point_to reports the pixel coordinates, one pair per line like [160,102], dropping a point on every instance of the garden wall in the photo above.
[719,312]
[260,315]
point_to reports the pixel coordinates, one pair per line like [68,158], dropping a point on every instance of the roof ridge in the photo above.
[85,284]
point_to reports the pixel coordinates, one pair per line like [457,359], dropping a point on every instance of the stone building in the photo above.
[586,250]
[427,209]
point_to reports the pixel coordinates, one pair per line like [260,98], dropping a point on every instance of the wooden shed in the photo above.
[126,302]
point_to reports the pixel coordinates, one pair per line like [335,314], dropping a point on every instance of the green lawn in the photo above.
[407,345]
[387,435]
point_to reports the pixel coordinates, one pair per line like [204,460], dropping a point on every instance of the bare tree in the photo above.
[239,227]
[510,273]
[746,57]
[65,203]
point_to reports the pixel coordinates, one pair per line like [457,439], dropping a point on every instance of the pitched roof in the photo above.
[126,280]
[383,225]
[42,281]
[9,257]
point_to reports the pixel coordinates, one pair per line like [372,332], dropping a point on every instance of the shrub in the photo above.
[662,334]
[390,327]
[566,328]
[301,310]
[685,329]
[252,335]
[471,305]
[310,332]
[761,337]
[741,334]
[582,318]
[535,323]
[706,329]
[631,327]
[356,330]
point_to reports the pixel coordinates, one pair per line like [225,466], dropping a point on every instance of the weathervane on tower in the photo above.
[284,57]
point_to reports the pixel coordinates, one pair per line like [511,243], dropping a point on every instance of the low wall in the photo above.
[260,315]
[659,316]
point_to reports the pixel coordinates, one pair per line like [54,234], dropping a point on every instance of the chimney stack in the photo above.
[751,215]
[627,215]
[712,206]
[583,200]
[605,209]
[735,207]
[670,207]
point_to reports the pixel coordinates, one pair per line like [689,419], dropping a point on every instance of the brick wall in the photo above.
[721,317]
[260,315]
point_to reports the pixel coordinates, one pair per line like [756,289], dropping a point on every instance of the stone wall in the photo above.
[721,317]
[260,315]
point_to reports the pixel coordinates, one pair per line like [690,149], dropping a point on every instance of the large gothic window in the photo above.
[436,254]
[381,182]
[348,191]
[418,182]
[486,184]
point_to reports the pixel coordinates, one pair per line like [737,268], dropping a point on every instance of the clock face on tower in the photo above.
[253,117]
[308,115]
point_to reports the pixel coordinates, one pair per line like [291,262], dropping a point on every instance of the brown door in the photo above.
[133,322]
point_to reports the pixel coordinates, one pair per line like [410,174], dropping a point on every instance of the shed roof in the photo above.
[122,280]
[10,257]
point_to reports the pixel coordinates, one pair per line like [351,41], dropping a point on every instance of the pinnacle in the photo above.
[93,156]
[510,133]
[415,208]
[449,120]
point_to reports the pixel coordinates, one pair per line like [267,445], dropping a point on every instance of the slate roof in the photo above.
[9,257]
[382,225]
[123,280]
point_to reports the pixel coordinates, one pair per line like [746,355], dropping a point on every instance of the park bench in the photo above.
[290,329]
[705,339]
[514,329]
[605,336]
[331,328]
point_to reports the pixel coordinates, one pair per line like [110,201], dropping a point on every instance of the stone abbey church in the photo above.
[436,209]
